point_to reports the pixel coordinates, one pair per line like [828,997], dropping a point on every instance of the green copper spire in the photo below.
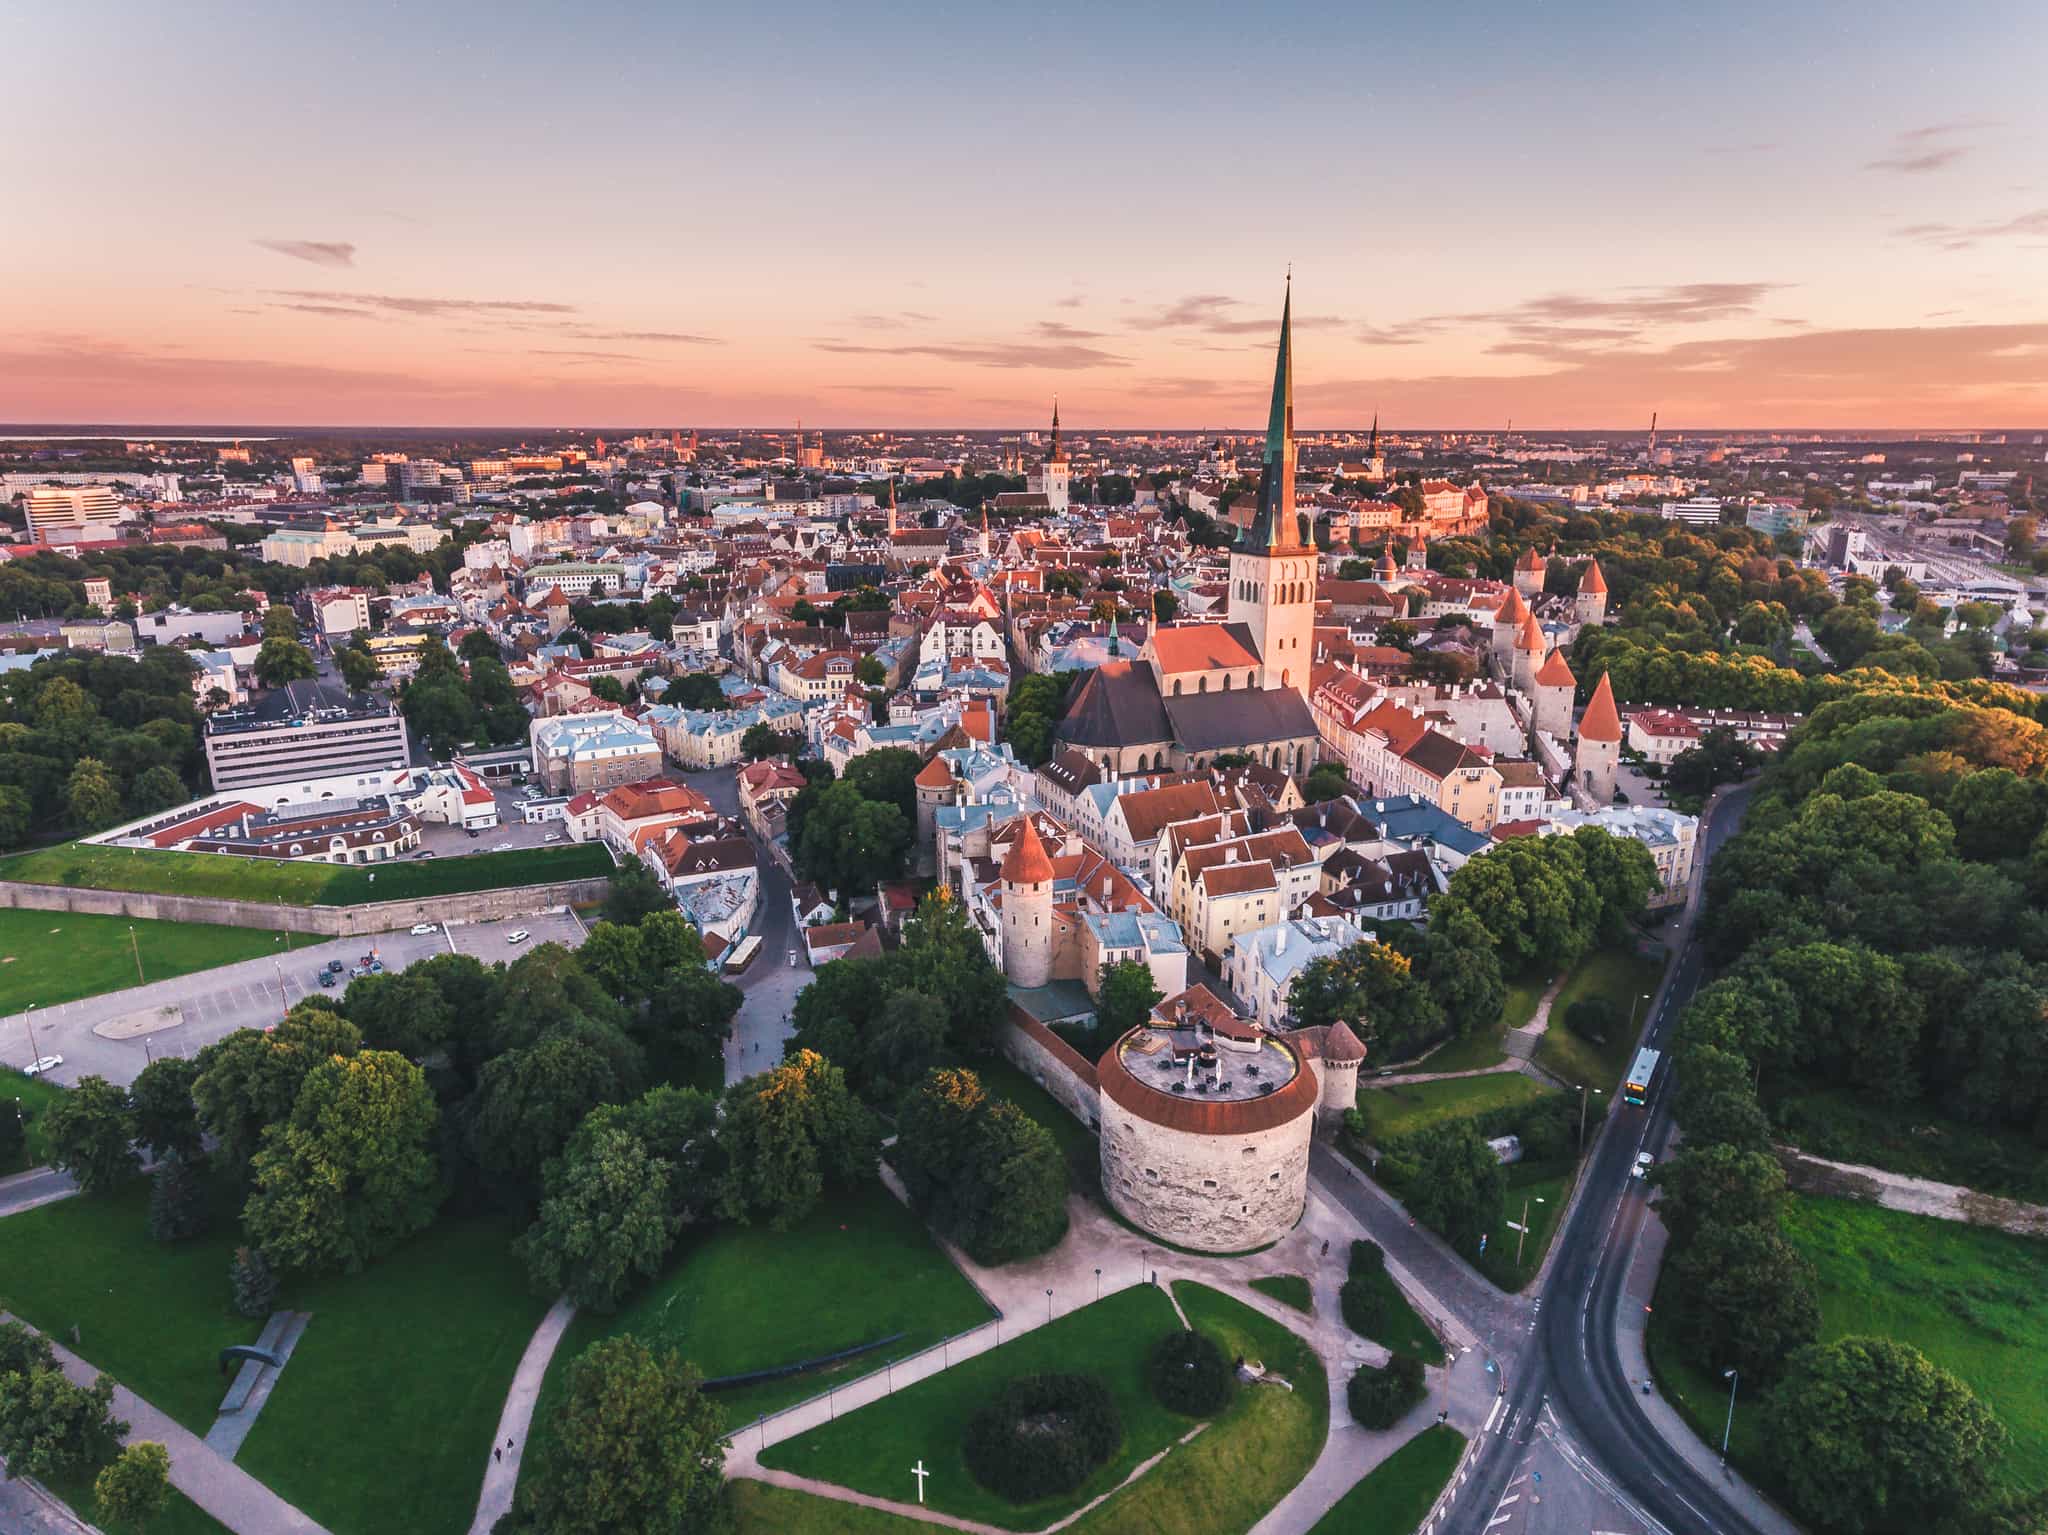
[1114,648]
[1273,525]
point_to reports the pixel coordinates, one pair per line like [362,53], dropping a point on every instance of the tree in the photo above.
[177,1202]
[91,1134]
[605,1219]
[1742,1295]
[850,842]
[251,1079]
[1372,987]
[17,814]
[1708,1185]
[280,623]
[1461,966]
[1326,781]
[1621,869]
[403,1011]
[1534,897]
[529,1102]
[942,955]
[869,672]
[634,893]
[1715,1103]
[359,669]
[92,798]
[888,776]
[478,645]
[695,690]
[1450,1179]
[634,1446]
[762,740]
[166,1119]
[789,1135]
[351,1174]
[1380,1396]
[1125,999]
[281,661]
[135,1486]
[51,1428]
[983,1172]
[1872,1438]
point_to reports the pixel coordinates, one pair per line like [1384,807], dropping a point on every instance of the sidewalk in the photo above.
[37,1186]
[228,1493]
[1631,1326]
[501,1473]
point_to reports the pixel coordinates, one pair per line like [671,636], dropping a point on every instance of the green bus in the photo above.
[1636,1089]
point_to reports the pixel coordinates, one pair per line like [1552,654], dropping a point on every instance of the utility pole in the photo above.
[136,949]
[1522,1235]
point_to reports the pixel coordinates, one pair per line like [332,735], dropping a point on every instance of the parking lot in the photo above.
[510,832]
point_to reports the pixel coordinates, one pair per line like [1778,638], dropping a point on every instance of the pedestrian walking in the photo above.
[1326,1247]
[498,1454]
[508,1444]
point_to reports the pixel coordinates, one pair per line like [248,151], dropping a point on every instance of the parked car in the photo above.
[517,935]
[421,929]
[553,836]
[326,977]
[41,1064]
[1644,1162]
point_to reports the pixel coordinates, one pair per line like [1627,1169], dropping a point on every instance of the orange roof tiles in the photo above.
[1026,863]
[1555,673]
[1199,648]
[1601,721]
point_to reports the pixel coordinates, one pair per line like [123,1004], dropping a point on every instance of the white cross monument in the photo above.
[920,1473]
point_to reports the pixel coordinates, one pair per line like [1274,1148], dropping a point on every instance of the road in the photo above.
[1569,1382]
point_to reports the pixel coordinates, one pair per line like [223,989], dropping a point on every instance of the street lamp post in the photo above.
[1048,1305]
[1639,1001]
[1728,1427]
[1098,1284]
[28,1022]
[136,949]
[1584,1089]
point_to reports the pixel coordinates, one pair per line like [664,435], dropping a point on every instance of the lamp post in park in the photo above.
[1729,1427]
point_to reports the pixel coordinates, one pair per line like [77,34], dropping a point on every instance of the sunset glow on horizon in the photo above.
[1568,216]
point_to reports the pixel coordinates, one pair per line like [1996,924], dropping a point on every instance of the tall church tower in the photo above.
[1272,573]
[1052,478]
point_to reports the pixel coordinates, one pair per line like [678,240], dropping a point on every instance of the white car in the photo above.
[502,847]
[421,929]
[1644,1162]
[517,935]
[41,1064]
[553,836]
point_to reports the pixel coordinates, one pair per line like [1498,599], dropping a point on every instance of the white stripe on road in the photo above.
[1499,1406]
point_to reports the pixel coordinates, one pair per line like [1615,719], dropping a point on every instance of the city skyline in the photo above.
[1567,219]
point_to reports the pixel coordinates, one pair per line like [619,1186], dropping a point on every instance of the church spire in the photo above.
[1057,454]
[1372,447]
[1273,525]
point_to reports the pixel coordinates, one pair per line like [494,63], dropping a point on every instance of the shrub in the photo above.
[1364,1305]
[1367,1258]
[1041,1436]
[255,1286]
[13,1136]
[1590,1018]
[1379,1398]
[1189,1374]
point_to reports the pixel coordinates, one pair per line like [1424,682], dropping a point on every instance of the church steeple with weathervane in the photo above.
[1053,478]
[1272,574]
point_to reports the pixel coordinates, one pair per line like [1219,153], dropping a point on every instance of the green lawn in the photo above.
[1620,977]
[152,1315]
[741,1298]
[1391,1111]
[1404,1331]
[181,1516]
[1968,1298]
[1543,1193]
[47,957]
[872,1449]
[761,1509]
[1397,1494]
[383,1420]
[300,884]
[1288,1289]
[28,1097]
[1477,1051]
[1231,1474]
[1000,1079]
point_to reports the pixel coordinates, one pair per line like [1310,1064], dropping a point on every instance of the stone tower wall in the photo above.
[1211,1193]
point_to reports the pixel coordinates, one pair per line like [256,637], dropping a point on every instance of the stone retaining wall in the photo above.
[323,921]
[1053,1064]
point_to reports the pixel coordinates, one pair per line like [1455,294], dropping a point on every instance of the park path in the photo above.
[1521,1043]
[217,1485]
[501,1472]
[37,1186]
[1916,1196]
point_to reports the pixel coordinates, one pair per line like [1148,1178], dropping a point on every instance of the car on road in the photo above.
[517,935]
[1644,1162]
[501,847]
[553,836]
[421,929]
[41,1064]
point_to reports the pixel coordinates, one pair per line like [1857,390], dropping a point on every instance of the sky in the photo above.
[1561,213]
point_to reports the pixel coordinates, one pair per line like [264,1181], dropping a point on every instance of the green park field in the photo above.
[48,957]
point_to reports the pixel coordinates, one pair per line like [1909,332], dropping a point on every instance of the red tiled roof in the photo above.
[1601,721]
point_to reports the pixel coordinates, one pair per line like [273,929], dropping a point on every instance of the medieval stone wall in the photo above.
[1211,1193]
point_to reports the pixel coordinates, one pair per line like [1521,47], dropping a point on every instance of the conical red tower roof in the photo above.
[1555,673]
[1601,721]
[1026,863]
[1512,609]
[1591,582]
[1531,637]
